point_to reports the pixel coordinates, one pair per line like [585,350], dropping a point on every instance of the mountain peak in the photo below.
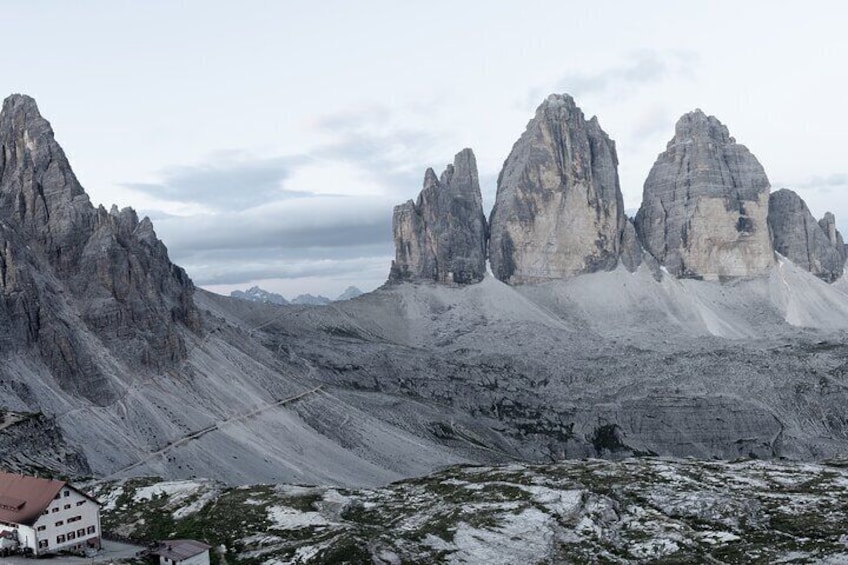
[556,100]
[131,296]
[559,210]
[21,104]
[698,126]
[707,217]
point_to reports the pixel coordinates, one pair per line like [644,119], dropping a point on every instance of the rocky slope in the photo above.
[559,210]
[631,511]
[705,205]
[814,246]
[442,236]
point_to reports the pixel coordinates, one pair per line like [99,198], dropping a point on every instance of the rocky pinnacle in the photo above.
[705,204]
[814,246]
[442,236]
[559,210]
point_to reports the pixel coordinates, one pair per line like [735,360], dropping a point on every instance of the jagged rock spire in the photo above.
[559,209]
[814,246]
[705,204]
[442,236]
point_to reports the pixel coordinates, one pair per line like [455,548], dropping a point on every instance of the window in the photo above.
[71,535]
[60,539]
[46,512]
[90,529]
[42,528]
[67,506]
[80,532]
[58,496]
[59,523]
[54,509]
[74,519]
[67,493]
[42,544]
[80,502]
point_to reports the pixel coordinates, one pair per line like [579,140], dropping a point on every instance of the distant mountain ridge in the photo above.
[256,294]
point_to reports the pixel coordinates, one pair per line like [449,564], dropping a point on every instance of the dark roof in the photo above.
[179,549]
[24,498]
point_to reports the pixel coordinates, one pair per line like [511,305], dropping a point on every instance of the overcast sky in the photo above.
[268,141]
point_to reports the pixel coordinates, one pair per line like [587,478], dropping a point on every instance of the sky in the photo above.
[269,141]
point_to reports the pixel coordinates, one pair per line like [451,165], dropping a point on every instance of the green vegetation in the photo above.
[632,510]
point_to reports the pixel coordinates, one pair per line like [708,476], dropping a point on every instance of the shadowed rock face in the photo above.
[559,210]
[705,204]
[62,260]
[814,246]
[442,236]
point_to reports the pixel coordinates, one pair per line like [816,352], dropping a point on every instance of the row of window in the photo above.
[66,507]
[61,523]
[60,539]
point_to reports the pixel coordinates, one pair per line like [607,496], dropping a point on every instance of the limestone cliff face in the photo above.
[814,246]
[705,204]
[63,261]
[442,236]
[559,210]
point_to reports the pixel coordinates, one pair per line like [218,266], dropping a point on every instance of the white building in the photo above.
[182,552]
[48,515]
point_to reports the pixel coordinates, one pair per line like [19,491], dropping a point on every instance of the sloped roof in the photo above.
[24,498]
[180,549]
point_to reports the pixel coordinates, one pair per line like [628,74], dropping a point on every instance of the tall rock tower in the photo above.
[559,210]
[442,236]
[814,246]
[705,204]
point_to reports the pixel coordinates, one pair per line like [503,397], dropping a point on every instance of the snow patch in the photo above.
[286,518]
[523,538]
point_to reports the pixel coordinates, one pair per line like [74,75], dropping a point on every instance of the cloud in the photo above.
[241,272]
[651,122]
[318,221]
[226,183]
[295,216]
[824,183]
[394,157]
[640,69]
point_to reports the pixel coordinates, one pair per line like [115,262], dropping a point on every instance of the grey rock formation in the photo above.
[33,443]
[349,293]
[630,249]
[559,210]
[828,224]
[705,204]
[62,260]
[442,236]
[814,246]
[256,294]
